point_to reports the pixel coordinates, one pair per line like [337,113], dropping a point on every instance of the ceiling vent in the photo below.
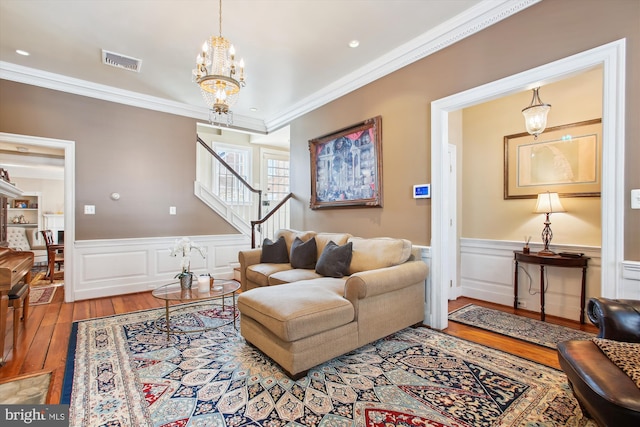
[121,61]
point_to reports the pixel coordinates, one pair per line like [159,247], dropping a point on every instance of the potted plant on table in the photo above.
[183,248]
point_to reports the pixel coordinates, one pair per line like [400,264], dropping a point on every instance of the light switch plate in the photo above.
[89,209]
[635,199]
[172,210]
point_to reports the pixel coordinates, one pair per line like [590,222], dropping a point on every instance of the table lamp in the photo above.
[547,204]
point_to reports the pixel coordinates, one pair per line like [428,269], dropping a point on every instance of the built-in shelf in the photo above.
[29,213]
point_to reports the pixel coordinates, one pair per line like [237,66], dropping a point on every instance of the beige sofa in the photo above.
[301,318]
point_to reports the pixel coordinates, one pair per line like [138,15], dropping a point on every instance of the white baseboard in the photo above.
[111,267]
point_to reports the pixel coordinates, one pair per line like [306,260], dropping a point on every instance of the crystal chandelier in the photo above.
[219,75]
[535,115]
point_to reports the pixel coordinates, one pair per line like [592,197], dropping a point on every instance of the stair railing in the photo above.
[239,210]
[274,220]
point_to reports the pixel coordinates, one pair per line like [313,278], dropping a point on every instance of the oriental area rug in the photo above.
[121,371]
[42,294]
[520,327]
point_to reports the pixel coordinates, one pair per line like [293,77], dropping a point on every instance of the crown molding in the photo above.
[34,77]
[477,18]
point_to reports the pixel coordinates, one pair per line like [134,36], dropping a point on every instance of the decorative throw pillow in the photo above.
[303,254]
[274,252]
[334,260]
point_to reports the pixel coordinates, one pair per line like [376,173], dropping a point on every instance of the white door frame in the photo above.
[612,58]
[69,198]
[452,213]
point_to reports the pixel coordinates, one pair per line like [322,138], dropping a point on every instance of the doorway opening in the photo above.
[611,58]
[69,196]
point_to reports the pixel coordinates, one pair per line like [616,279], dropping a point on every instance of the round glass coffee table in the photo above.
[172,292]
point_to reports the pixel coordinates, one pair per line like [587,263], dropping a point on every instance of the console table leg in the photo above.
[515,285]
[542,292]
[582,291]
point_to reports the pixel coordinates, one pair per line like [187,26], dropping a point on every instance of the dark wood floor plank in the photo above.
[81,310]
[26,336]
[34,359]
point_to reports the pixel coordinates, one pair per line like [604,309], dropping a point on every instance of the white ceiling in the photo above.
[296,51]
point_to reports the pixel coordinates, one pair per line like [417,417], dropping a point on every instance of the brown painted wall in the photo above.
[146,156]
[548,31]
[149,156]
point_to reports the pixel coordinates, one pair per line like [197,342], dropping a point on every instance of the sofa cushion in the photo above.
[374,253]
[335,260]
[288,314]
[323,238]
[290,236]
[259,273]
[303,254]
[290,276]
[274,252]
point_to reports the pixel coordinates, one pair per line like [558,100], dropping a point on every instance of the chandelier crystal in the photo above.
[535,115]
[219,75]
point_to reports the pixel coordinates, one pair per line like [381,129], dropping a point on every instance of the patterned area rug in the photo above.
[126,374]
[524,328]
[42,295]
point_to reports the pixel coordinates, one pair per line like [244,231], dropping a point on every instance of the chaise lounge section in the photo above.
[302,317]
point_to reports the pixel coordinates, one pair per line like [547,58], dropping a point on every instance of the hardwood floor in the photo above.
[42,344]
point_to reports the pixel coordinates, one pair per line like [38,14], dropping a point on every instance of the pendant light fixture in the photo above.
[535,115]
[219,75]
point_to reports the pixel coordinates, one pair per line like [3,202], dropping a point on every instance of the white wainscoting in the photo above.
[630,280]
[487,273]
[122,266]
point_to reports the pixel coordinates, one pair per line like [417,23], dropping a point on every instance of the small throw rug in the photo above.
[39,279]
[125,373]
[31,389]
[520,327]
[42,294]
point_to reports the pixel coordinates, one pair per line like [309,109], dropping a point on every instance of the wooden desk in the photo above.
[555,261]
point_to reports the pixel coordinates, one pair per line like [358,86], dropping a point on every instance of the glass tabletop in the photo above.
[173,291]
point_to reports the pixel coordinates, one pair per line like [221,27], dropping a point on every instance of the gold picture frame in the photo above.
[564,159]
[346,167]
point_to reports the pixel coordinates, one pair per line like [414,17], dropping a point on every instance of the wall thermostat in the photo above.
[422,191]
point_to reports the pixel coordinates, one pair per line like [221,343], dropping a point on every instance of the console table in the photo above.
[554,261]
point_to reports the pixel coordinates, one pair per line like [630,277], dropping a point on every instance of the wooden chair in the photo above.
[55,253]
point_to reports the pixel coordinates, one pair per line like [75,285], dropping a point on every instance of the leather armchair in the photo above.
[617,319]
[604,392]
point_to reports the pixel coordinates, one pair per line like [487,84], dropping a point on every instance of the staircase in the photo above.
[226,192]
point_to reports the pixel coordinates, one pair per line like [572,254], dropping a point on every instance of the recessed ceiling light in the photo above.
[22,52]
[354,43]
[254,109]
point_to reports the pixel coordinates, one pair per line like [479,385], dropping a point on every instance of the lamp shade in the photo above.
[548,203]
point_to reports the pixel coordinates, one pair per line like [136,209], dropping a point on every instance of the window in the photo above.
[277,178]
[225,184]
